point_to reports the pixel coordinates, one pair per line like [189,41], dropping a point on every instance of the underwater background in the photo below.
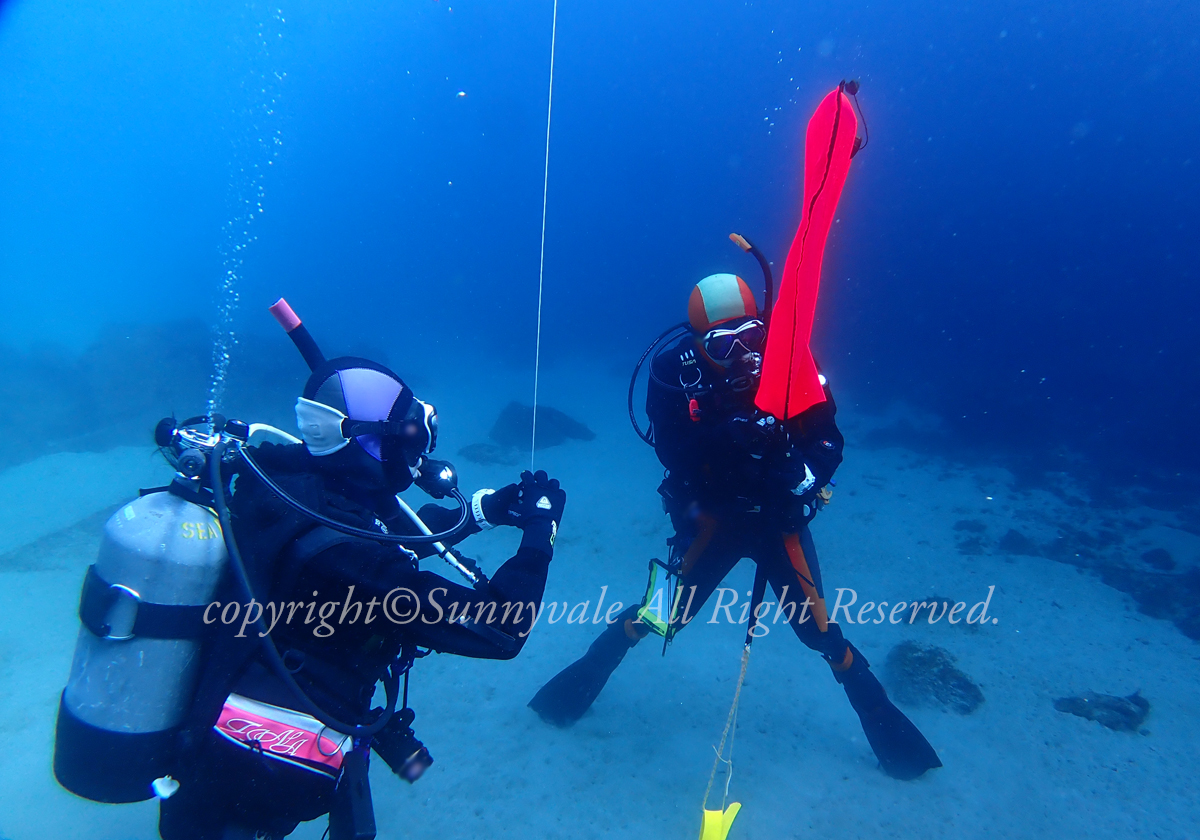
[1008,318]
[1021,241]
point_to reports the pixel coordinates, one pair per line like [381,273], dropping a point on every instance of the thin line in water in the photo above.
[537,350]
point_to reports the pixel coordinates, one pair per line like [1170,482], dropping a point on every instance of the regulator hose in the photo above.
[648,435]
[464,509]
[391,684]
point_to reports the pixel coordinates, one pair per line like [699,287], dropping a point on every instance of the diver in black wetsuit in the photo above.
[253,764]
[740,484]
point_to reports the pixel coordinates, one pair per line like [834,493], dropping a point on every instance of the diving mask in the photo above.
[720,344]
[326,430]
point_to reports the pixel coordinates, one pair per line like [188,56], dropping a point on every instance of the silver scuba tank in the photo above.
[137,658]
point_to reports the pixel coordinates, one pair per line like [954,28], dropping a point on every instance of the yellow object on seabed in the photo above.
[716,824]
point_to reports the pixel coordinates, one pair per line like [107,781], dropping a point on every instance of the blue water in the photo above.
[1015,253]
[1028,203]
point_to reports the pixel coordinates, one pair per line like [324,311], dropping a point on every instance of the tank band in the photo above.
[152,621]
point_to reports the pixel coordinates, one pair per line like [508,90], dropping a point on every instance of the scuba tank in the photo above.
[137,656]
[144,609]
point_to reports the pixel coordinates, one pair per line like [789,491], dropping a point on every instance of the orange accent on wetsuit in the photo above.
[796,554]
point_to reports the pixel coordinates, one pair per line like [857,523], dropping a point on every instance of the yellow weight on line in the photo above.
[716,824]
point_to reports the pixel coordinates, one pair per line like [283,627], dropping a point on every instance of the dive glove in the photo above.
[796,508]
[437,478]
[540,499]
[518,504]
[494,507]
[535,506]
[759,434]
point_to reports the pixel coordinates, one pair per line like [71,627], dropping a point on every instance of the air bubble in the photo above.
[257,142]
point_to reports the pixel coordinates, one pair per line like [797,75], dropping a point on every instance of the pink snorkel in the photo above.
[292,325]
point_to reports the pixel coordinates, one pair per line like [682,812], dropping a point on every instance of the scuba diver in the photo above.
[739,483]
[255,726]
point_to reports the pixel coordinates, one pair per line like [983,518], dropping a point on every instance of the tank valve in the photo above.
[237,429]
[191,463]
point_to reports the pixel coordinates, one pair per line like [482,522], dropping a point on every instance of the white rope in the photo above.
[537,352]
[728,734]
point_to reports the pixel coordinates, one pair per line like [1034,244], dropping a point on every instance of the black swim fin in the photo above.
[902,750]
[571,692]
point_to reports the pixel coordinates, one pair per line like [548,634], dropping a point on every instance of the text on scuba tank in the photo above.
[200,531]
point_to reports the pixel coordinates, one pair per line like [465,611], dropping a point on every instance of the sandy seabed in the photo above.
[636,765]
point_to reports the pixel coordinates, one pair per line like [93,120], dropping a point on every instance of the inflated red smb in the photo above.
[789,378]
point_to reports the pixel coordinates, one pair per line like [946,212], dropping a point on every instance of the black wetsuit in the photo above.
[289,558]
[738,485]
[732,473]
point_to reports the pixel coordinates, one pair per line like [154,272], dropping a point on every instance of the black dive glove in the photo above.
[493,507]
[437,478]
[503,506]
[759,434]
[795,501]
[540,499]
[535,506]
